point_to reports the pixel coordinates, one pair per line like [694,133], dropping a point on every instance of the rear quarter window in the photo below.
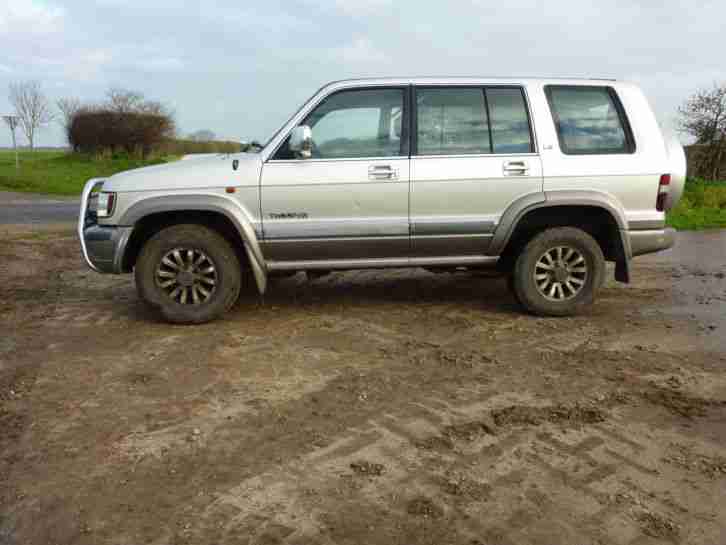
[589,120]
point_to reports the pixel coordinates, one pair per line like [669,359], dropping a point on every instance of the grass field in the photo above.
[58,172]
[703,206]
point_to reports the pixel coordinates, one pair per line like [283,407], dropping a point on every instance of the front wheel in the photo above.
[558,272]
[190,272]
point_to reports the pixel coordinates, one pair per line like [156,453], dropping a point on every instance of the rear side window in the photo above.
[472,120]
[589,120]
[509,120]
[452,121]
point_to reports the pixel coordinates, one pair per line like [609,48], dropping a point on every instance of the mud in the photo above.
[362,407]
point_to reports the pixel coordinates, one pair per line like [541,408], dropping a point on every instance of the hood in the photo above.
[204,172]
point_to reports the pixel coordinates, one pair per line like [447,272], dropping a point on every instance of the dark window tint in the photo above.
[588,120]
[509,120]
[451,122]
[360,123]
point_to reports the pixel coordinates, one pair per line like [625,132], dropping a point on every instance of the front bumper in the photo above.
[647,242]
[105,247]
[102,246]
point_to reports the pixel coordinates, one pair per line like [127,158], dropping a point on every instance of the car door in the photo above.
[473,155]
[349,200]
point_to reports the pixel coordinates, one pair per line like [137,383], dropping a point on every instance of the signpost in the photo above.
[12,122]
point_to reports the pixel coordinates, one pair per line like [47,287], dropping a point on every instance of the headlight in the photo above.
[105,204]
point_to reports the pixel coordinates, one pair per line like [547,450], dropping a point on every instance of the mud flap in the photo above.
[622,271]
[259,273]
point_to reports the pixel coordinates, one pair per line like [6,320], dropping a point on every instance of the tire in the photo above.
[199,284]
[566,257]
[511,288]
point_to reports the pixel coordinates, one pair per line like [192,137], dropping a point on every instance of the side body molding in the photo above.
[599,199]
[208,203]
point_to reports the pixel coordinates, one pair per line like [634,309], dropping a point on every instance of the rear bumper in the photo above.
[650,241]
[102,246]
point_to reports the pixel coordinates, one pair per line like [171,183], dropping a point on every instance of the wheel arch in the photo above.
[597,213]
[150,215]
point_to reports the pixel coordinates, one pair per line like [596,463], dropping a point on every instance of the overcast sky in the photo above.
[241,68]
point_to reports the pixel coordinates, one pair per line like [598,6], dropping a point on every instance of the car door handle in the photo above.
[382,172]
[515,167]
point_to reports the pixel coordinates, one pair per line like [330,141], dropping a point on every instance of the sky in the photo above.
[241,68]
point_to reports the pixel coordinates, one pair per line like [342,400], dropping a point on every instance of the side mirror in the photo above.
[301,141]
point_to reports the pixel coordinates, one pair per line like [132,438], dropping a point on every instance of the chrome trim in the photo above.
[87,189]
[475,155]
[338,159]
[336,239]
[349,264]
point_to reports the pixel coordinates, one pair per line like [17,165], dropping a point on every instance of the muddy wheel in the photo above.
[558,272]
[190,272]
[511,288]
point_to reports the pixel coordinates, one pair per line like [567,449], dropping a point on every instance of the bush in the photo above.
[104,130]
[174,146]
[702,206]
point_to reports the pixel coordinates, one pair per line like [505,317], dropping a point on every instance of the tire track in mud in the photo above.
[569,470]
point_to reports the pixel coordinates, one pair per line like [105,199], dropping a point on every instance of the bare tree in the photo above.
[68,107]
[123,100]
[31,106]
[703,116]
[203,135]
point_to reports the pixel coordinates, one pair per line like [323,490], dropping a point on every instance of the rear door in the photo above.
[473,154]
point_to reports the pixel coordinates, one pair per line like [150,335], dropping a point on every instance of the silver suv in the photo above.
[544,179]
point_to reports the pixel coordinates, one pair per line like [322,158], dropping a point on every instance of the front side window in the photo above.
[356,124]
[451,121]
[589,120]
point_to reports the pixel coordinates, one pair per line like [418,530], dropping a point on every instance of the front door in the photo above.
[474,155]
[350,199]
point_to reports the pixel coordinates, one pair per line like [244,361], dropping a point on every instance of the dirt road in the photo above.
[369,407]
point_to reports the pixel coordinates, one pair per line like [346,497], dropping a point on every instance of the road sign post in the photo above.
[12,122]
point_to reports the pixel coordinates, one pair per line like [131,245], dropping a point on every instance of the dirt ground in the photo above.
[364,407]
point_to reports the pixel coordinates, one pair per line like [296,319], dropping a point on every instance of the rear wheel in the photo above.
[190,272]
[558,272]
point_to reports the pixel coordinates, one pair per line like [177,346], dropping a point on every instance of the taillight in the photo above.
[663,190]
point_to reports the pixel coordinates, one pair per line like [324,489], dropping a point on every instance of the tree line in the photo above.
[124,121]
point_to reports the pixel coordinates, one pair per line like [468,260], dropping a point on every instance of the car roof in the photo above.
[464,80]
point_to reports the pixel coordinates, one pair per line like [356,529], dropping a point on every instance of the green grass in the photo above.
[59,172]
[703,206]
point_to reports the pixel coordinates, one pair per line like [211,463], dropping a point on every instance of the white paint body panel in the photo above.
[334,212]
[630,178]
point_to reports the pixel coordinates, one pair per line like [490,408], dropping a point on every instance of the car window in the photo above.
[451,121]
[357,123]
[509,120]
[588,120]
